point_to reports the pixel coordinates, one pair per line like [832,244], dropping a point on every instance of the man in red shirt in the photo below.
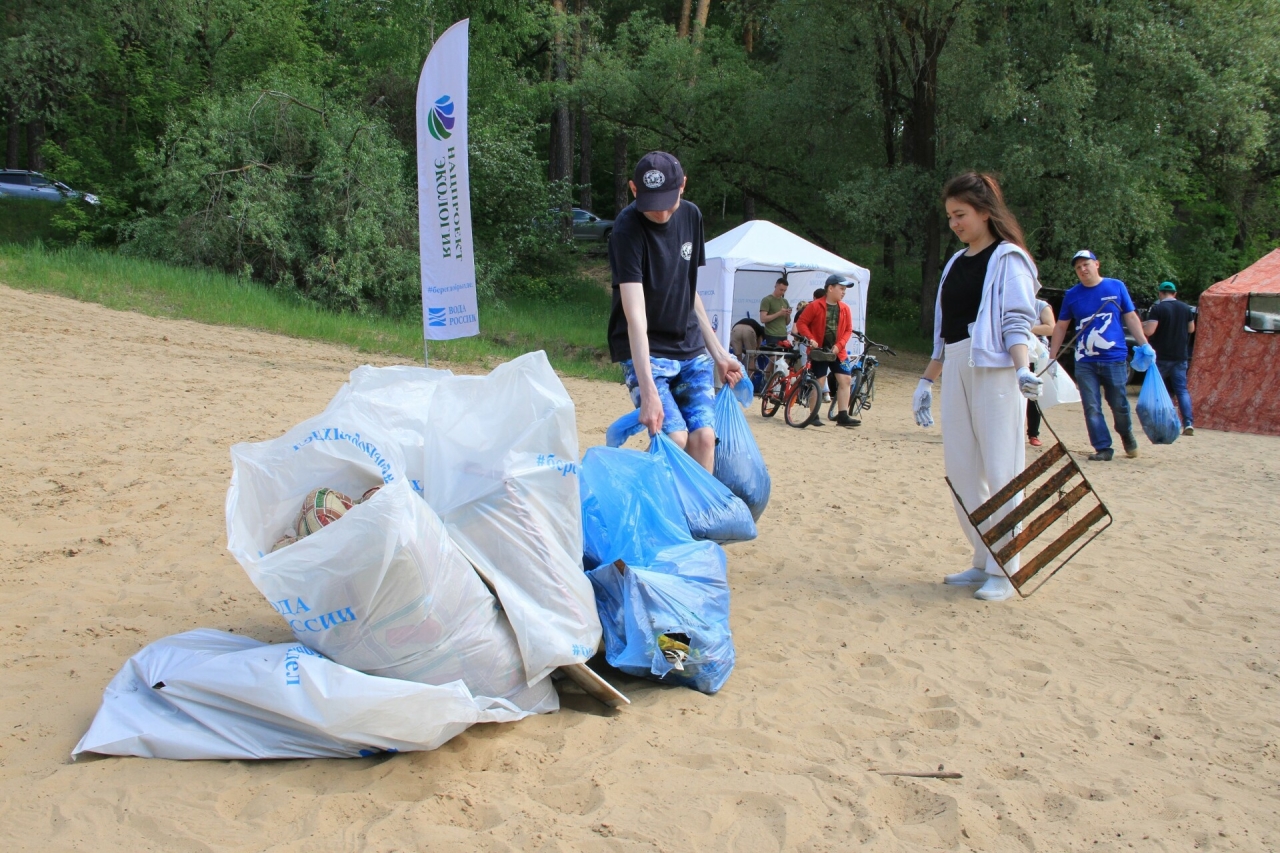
[828,324]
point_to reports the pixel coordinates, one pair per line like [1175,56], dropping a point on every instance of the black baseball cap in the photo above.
[657,177]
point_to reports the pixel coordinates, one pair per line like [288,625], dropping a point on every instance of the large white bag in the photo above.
[382,589]
[500,463]
[1058,388]
[209,694]
[398,400]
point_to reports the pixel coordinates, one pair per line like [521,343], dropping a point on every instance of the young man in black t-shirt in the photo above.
[658,329]
[1169,326]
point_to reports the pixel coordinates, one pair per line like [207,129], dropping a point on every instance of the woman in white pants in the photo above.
[982,326]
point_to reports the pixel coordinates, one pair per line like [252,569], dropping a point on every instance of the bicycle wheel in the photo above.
[771,396]
[856,379]
[866,393]
[804,403]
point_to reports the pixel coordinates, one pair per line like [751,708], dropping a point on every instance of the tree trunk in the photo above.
[748,205]
[686,9]
[35,139]
[14,140]
[700,23]
[748,37]
[561,133]
[621,170]
[584,159]
[889,259]
[924,153]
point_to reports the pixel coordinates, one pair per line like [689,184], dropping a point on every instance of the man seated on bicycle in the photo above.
[827,324]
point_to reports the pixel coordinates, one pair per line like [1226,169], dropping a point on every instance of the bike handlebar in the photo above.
[872,343]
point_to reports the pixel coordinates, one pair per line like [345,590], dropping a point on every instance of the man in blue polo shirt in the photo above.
[1100,310]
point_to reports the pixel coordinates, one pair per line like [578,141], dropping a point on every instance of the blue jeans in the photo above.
[1174,374]
[1094,378]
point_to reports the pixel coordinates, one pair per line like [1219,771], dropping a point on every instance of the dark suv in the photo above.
[33,186]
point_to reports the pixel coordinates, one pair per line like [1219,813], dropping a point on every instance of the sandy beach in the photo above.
[1130,704]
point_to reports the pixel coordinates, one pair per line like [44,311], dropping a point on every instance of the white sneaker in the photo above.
[969,577]
[997,588]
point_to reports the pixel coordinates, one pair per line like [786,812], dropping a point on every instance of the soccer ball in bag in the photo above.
[322,507]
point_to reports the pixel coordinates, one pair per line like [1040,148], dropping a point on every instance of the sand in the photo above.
[1130,704]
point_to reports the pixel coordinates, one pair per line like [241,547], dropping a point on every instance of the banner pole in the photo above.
[426,353]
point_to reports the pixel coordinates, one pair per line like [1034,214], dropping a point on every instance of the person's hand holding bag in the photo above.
[1029,384]
[922,403]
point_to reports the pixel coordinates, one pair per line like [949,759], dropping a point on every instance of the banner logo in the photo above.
[436,317]
[440,121]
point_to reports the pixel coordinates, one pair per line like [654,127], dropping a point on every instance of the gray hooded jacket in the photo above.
[1007,311]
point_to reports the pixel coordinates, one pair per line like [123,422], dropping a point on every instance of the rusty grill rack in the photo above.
[1060,477]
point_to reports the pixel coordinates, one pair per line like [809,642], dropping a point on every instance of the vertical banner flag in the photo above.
[444,192]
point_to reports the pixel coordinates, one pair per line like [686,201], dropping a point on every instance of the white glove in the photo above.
[922,403]
[1028,383]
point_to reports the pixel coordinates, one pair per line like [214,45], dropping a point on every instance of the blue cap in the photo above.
[1083,253]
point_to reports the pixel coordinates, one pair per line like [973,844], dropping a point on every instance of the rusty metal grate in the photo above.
[1048,513]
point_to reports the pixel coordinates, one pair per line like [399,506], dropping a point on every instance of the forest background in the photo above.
[274,139]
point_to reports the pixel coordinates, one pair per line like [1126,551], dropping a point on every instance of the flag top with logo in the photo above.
[444,192]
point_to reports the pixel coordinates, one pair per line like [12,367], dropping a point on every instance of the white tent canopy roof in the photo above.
[760,244]
[743,264]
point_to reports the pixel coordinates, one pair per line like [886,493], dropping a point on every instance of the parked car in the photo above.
[25,184]
[588,226]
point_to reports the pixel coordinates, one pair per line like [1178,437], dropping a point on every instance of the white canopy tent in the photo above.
[743,265]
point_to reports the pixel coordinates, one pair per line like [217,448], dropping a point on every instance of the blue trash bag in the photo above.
[669,621]
[668,603]
[623,428]
[710,509]
[629,506]
[1156,413]
[739,464]
[745,390]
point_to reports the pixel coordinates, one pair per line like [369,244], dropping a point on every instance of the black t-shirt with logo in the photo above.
[665,259]
[1170,339]
[962,293]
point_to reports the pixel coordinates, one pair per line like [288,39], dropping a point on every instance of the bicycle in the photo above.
[805,393]
[862,387]
[780,384]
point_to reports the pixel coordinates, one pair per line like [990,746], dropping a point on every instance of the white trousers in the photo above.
[983,421]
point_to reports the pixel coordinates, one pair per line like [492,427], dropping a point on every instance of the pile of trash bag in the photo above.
[663,597]
[462,571]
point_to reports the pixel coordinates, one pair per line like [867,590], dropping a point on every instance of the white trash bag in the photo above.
[1058,387]
[210,694]
[398,400]
[382,589]
[501,463]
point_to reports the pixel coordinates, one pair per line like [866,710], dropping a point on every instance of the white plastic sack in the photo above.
[383,589]
[398,400]
[500,456]
[1058,388]
[209,694]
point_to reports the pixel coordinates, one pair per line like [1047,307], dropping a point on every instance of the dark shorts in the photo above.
[820,368]
[685,388]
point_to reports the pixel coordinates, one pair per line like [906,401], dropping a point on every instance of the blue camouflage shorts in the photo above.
[685,389]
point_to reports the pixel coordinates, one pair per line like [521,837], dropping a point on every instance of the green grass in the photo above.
[571,331]
[26,221]
[902,335]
